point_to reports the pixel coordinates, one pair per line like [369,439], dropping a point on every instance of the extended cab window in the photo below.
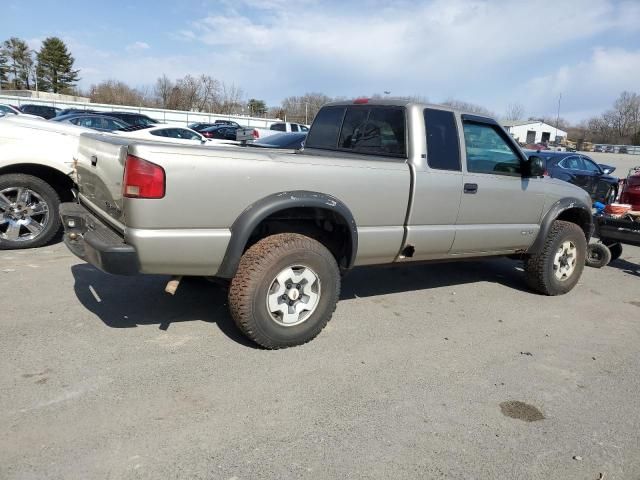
[325,129]
[294,127]
[374,131]
[488,152]
[443,148]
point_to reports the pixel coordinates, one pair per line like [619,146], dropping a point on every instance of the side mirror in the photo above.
[536,166]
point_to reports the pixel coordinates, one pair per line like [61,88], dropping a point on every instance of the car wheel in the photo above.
[614,247]
[556,269]
[598,255]
[285,290]
[28,212]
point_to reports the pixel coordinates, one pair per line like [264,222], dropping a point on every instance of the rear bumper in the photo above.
[94,242]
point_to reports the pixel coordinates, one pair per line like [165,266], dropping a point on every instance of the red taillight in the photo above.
[256,134]
[143,179]
[360,101]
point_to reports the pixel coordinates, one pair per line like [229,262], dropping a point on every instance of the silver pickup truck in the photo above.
[377,183]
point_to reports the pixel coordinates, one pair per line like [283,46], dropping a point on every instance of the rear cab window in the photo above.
[369,130]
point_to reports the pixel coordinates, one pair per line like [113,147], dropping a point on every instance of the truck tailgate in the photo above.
[100,169]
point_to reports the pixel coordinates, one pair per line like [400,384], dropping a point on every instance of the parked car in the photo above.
[68,111]
[164,133]
[43,111]
[623,150]
[229,123]
[132,118]
[537,146]
[291,141]
[370,187]
[582,171]
[199,126]
[631,189]
[599,148]
[102,123]
[220,132]
[11,110]
[36,173]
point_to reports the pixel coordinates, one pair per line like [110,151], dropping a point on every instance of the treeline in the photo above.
[199,94]
[50,69]
[204,93]
[618,125]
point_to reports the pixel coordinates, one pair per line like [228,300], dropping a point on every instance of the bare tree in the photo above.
[304,108]
[162,91]
[117,93]
[231,100]
[209,93]
[515,111]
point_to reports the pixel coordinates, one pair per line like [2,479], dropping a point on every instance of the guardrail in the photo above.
[163,115]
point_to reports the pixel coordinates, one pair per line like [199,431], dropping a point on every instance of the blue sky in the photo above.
[490,52]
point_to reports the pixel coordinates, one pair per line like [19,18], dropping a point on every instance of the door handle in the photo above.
[470,188]
[94,160]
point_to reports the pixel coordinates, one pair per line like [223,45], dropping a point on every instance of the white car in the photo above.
[172,134]
[11,110]
[36,173]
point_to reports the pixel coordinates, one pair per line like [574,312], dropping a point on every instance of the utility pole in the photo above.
[306,113]
[558,117]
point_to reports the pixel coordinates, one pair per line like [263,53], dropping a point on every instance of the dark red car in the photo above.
[631,190]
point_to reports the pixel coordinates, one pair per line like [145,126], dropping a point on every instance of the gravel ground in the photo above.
[429,371]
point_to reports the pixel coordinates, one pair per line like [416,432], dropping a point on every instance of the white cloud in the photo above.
[137,46]
[471,49]
[588,87]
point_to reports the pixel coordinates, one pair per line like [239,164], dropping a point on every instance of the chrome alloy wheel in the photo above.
[293,295]
[23,214]
[564,263]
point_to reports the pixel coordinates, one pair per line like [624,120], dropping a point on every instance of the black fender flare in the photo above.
[251,217]
[562,205]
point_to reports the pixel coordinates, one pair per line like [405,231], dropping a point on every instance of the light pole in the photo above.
[558,117]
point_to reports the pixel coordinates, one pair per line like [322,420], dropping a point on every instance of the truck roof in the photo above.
[399,102]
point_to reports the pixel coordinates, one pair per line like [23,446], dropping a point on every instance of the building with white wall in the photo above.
[531,131]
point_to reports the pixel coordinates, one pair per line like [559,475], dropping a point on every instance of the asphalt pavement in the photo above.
[427,371]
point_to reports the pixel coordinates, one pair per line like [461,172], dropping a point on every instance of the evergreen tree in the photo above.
[20,62]
[4,68]
[257,107]
[55,67]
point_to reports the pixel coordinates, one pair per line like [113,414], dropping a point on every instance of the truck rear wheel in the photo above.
[558,266]
[28,212]
[285,290]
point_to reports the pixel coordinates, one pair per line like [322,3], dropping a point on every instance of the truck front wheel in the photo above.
[285,290]
[556,269]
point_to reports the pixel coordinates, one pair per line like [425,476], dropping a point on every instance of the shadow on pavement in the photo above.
[126,302]
[626,267]
[372,281]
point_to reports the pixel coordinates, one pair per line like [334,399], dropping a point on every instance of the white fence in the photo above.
[169,116]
